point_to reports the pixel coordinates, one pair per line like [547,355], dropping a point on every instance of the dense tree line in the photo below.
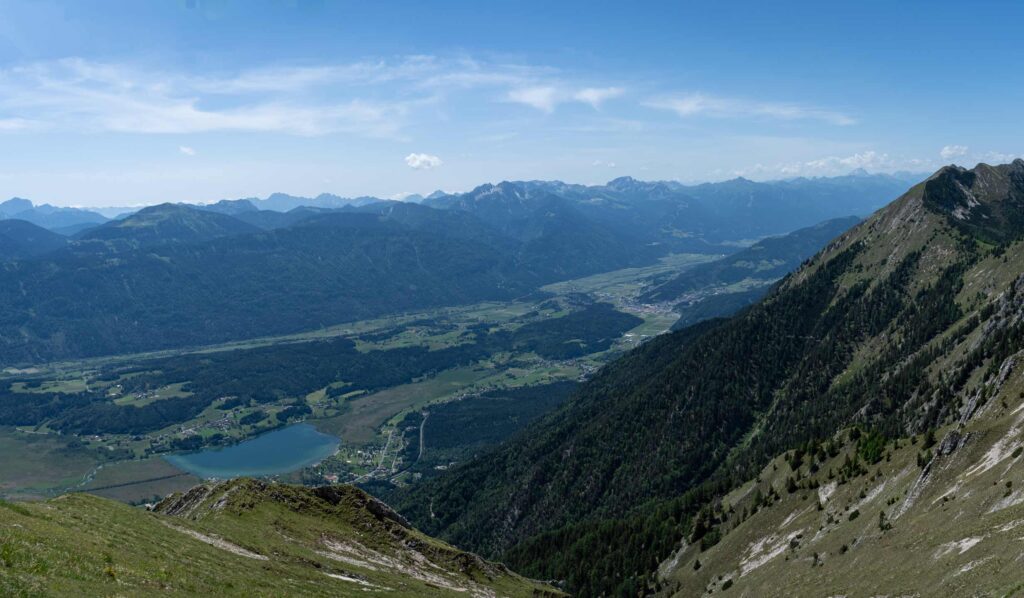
[458,430]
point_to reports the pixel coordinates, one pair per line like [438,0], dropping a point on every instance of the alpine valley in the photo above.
[672,299]
[627,389]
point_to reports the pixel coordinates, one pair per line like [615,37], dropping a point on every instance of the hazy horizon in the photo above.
[405,196]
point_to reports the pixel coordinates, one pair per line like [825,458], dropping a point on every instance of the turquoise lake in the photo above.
[280,451]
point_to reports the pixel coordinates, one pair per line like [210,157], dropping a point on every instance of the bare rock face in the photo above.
[987,201]
[183,505]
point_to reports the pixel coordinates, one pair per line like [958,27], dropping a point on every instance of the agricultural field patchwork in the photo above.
[103,424]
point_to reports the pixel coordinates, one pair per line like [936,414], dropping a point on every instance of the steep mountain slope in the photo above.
[20,239]
[766,260]
[165,224]
[876,330]
[238,538]
[833,519]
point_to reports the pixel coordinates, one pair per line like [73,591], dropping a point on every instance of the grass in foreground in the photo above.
[238,538]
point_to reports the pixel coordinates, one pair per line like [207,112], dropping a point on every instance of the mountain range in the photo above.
[57,219]
[238,271]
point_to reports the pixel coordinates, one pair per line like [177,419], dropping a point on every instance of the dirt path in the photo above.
[423,424]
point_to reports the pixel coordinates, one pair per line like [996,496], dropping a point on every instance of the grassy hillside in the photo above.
[948,507]
[239,538]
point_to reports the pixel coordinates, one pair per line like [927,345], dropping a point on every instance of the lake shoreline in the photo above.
[275,452]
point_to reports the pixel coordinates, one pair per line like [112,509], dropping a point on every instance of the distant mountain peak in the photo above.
[47,216]
[167,223]
[623,182]
[15,205]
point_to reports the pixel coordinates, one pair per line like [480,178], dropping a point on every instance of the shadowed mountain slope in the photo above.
[20,239]
[872,331]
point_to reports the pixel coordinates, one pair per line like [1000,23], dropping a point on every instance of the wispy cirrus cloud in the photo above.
[543,98]
[595,96]
[18,124]
[547,97]
[699,104]
[75,94]
[373,98]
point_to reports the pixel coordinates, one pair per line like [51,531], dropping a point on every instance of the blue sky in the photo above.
[127,103]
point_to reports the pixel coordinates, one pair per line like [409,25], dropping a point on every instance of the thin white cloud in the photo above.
[698,104]
[291,79]
[17,124]
[188,151]
[547,97]
[75,94]
[368,98]
[869,160]
[595,96]
[423,161]
[542,98]
[467,73]
[603,164]
[953,151]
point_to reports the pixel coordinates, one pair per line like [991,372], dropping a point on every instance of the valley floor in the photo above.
[129,467]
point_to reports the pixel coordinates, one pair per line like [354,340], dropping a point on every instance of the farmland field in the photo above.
[136,481]
[32,464]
